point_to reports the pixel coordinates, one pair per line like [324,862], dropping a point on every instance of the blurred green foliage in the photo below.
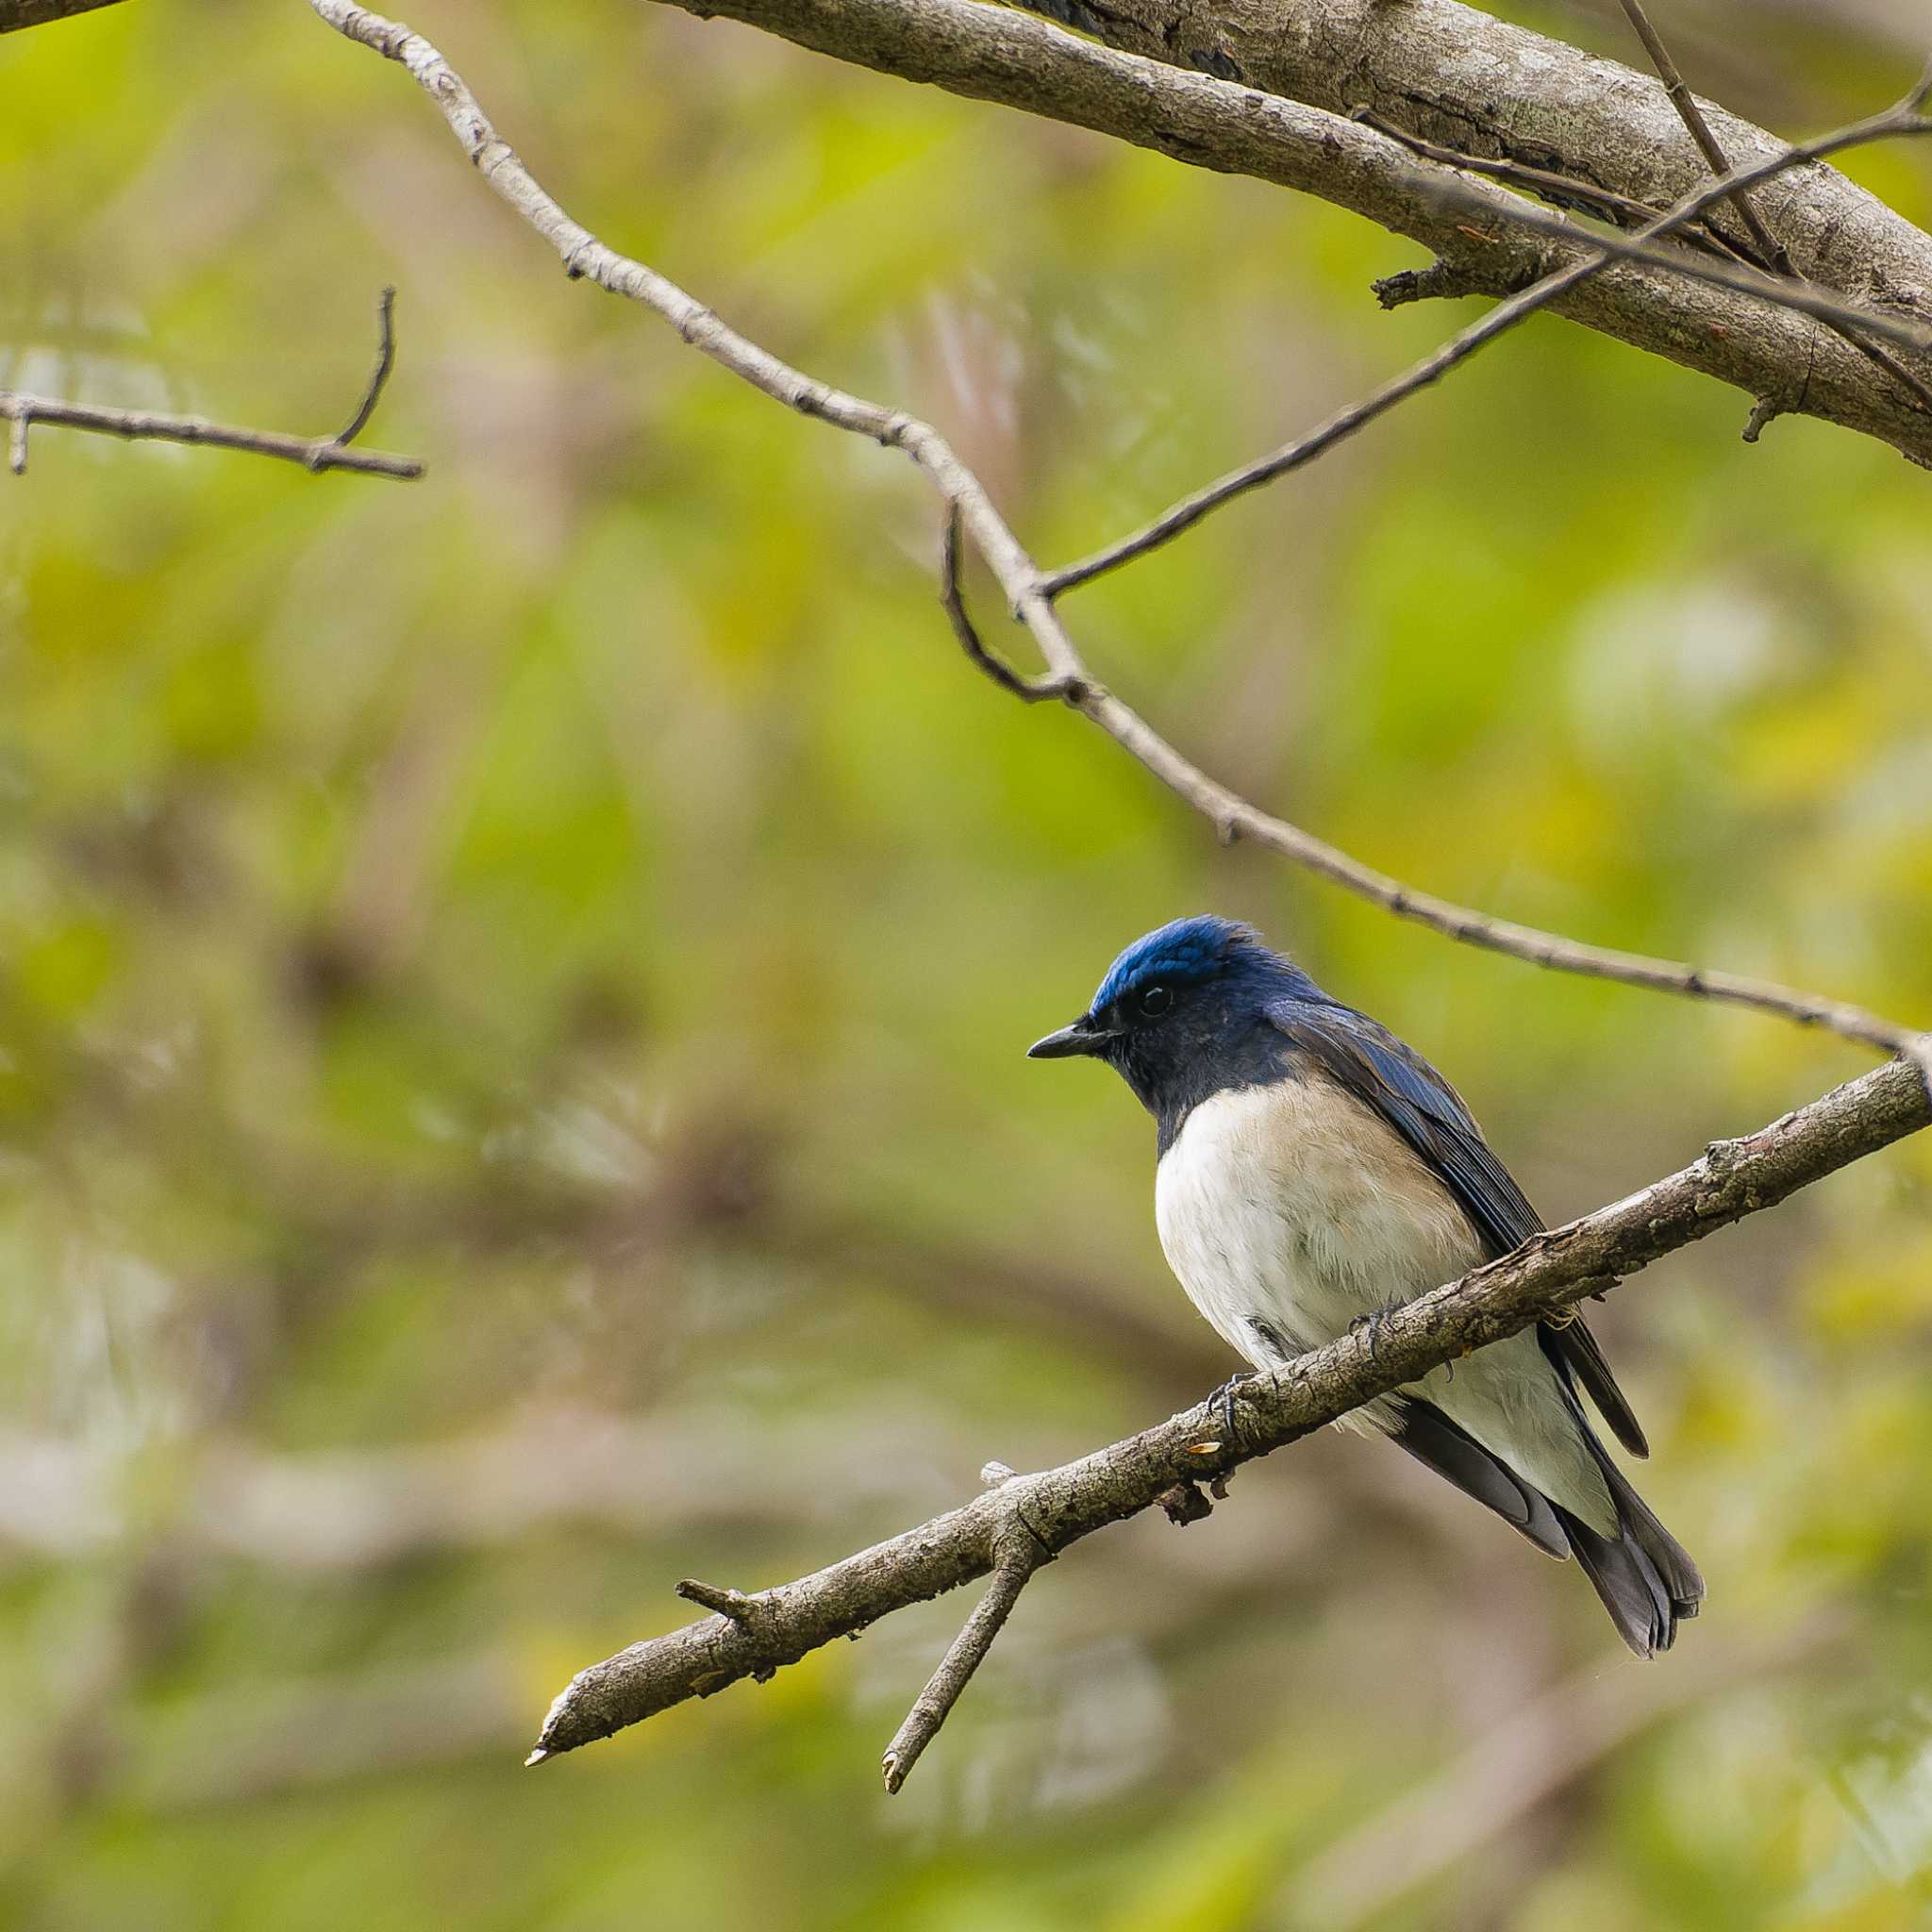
[512,989]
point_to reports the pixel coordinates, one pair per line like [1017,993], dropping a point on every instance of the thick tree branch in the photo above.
[338,452]
[1460,76]
[990,54]
[1058,1506]
[20,13]
[1029,591]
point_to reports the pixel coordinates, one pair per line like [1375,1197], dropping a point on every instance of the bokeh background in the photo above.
[514,984]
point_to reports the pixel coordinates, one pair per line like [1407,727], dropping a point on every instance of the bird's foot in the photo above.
[1371,1326]
[1225,1395]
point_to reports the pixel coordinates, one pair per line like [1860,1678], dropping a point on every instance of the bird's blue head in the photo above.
[1183,1012]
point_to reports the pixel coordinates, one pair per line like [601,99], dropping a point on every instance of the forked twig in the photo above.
[1019,1554]
[23,411]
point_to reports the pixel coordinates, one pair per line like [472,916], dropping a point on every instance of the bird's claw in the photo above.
[1369,1324]
[1225,1395]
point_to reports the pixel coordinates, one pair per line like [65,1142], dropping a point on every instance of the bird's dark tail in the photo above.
[1644,1574]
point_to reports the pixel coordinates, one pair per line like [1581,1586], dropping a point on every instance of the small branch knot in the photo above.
[1764,411]
[1184,1503]
[733,1603]
[1442,280]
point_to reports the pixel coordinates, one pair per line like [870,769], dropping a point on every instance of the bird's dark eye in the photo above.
[1155,1001]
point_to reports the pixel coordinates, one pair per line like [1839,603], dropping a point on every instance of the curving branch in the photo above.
[1030,591]
[25,412]
[1055,1507]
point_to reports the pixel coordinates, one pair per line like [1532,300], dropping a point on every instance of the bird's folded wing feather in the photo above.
[1379,1069]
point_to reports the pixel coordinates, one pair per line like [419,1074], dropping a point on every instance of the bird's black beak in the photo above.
[1082,1036]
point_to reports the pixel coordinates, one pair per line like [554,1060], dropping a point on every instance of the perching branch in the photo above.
[1058,1506]
[24,413]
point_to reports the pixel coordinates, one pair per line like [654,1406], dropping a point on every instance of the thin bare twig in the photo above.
[1029,592]
[315,453]
[141,426]
[1904,118]
[378,376]
[1018,1554]
[953,600]
[1770,248]
[1773,252]
[1569,191]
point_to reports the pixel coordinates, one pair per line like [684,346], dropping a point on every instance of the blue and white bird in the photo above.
[1315,1171]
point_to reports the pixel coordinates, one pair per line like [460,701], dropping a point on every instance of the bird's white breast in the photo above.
[1297,1206]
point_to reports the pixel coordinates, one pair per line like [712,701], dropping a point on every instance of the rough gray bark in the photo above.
[1462,77]
[19,13]
[1796,365]
[1058,1506]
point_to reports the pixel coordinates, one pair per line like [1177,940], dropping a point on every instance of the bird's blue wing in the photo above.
[1379,1069]
[1421,1105]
